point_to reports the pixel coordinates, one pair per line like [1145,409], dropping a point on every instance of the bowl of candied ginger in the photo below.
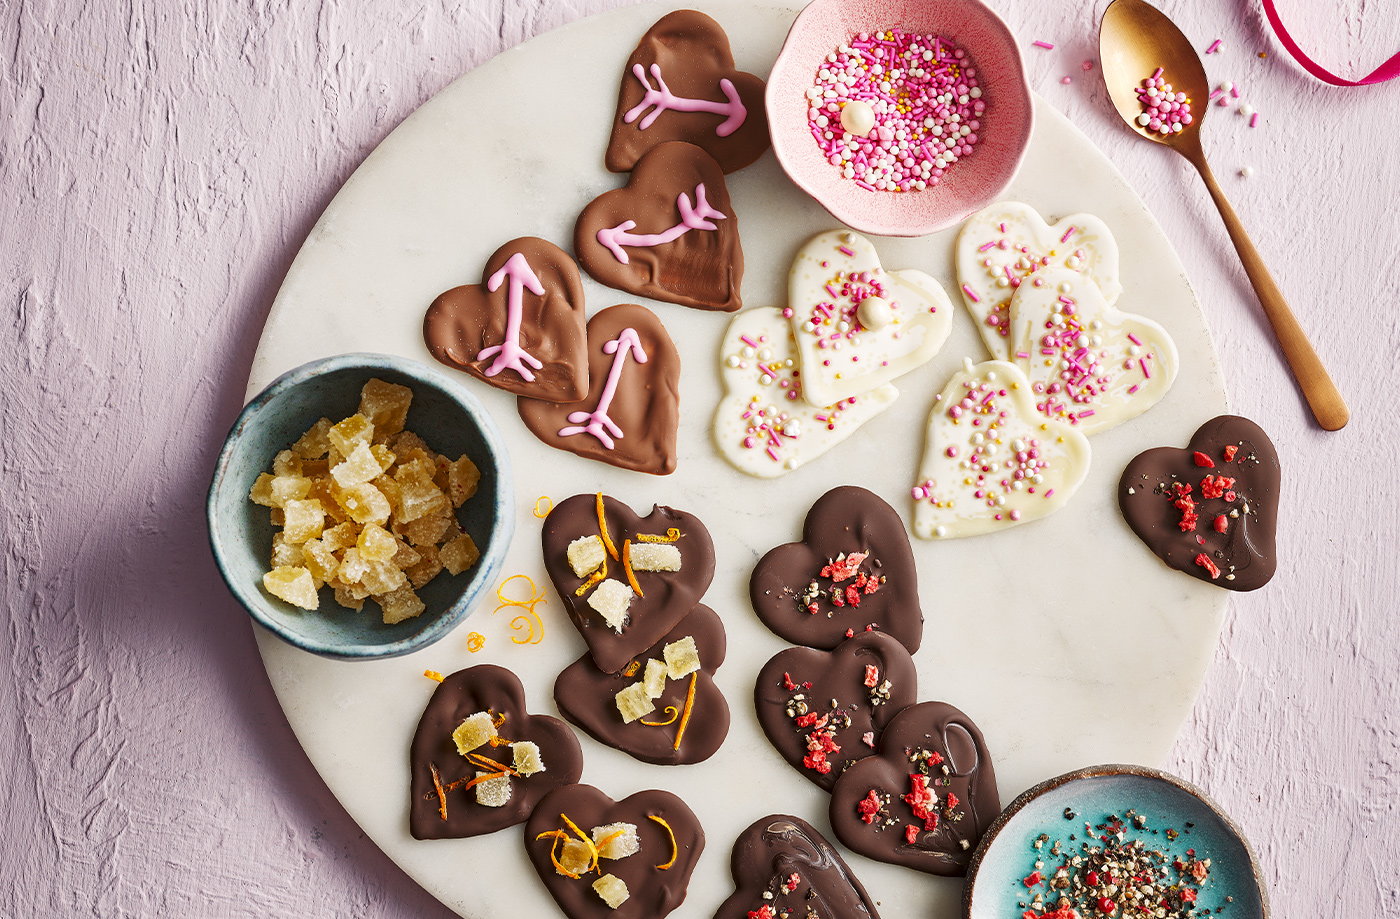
[360,506]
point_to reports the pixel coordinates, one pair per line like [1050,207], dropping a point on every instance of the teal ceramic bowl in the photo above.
[1006,854]
[452,422]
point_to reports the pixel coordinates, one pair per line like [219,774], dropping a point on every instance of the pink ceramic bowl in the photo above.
[971,183]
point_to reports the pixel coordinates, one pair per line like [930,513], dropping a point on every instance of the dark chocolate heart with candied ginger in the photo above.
[823,710]
[670,233]
[680,84]
[446,800]
[630,415]
[644,601]
[522,328]
[1210,510]
[657,837]
[691,717]
[852,570]
[783,864]
[925,799]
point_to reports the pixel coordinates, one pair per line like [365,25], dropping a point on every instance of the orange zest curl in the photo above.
[486,762]
[498,719]
[675,850]
[674,712]
[609,838]
[475,641]
[558,836]
[548,503]
[527,626]
[627,567]
[437,787]
[603,529]
[433,675]
[631,669]
[594,579]
[685,713]
[672,535]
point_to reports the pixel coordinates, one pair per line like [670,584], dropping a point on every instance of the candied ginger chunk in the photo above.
[294,585]
[302,520]
[616,840]
[494,792]
[459,554]
[284,554]
[425,531]
[427,569]
[340,536]
[462,480]
[633,703]
[364,503]
[475,730]
[610,600]
[382,578]
[352,567]
[612,889]
[358,467]
[386,405]
[319,560]
[654,556]
[654,679]
[585,554]
[286,463]
[289,488]
[682,657]
[575,858]
[525,757]
[377,544]
[348,434]
[315,443]
[348,599]
[421,499]
[261,492]
[400,604]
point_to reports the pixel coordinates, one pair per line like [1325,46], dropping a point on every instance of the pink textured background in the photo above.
[160,163]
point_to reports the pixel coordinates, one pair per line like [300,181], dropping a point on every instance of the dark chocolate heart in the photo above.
[781,864]
[522,328]
[629,418]
[653,891]
[853,569]
[586,696]
[680,84]
[1210,510]
[932,762]
[670,233]
[484,688]
[666,596]
[797,687]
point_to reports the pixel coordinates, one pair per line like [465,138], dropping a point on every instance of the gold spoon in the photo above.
[1134,40]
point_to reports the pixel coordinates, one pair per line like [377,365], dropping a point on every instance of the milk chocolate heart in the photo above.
[647,844]
[991,459]
[522,328]
[630,415]
[1090,364]
[852,570]
[925,799]
[486,777]
[680,84]
[823,710]
[857,325]
[1210,510]
[691,717]
[1007,242]
[625,580]
[670,233]
[783,867]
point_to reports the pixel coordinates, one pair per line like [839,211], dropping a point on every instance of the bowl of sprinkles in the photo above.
[1114,842]
[899,117]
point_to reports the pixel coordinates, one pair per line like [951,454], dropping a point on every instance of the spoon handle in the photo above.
[1321,393]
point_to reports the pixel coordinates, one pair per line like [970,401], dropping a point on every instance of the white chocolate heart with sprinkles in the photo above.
[762,425]
[1090,364]
[1008,241]
[991,460]
[858,326]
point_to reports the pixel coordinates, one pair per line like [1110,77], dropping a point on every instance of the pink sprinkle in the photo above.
[1132,389]
[748,341]
[971,295]
[1142,362]
[1066,80]
[1050,492]
[1234,92]
[1068,234]
[1134,339]
[1023,354]
[1086,414]
[846,250]
[1254,120]
[1157,73]
[1048,46]
[987,245]
[1213,47]
[1087,66]
[773,454]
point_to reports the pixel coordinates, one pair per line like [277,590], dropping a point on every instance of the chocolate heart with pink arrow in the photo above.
[680,84]
[783,867]
[522,328]
[669,234]
[629,416]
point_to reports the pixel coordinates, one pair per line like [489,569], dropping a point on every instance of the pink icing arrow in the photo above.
[598,422]
[664,100]
[692,218]
[509,355]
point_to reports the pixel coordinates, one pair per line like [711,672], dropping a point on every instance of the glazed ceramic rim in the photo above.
[492,559]
[989,838]
[857,218]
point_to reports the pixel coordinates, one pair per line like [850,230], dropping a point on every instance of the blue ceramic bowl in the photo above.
[1006,854]
[444,414]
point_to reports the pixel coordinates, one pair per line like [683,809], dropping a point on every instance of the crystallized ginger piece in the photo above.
[382,578]
[352,567]
[390,488]
[348,434]
[654,556]
[364,503]
[494,792]
[421,499]
[459,554]
[383,455]
[406,442]
[633,703]
[358,467]
[293,585]
[405,556]
[610,600]
[347,599]
[284,554]
[302,520]
[616,840]
[261,492]
[612,889]
[286,463]
[377,544]
[426,569]
[319,560]
[416,469]
[400,604]
[425,531]
[315,469]
[575,858]
[585,554]
[462,480]
[525,758]
[475,730]
[289,488]
[682,657]
[340,536]
[386,405]
[315,443]
[654,679]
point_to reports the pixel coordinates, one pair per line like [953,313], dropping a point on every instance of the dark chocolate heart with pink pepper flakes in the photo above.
[783,867]
[925,799]
[1210,510]
[823,710]
[853,569]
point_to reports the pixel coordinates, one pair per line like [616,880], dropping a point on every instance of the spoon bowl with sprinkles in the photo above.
[900,117]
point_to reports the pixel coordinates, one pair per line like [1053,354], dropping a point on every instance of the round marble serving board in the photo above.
[1065,639]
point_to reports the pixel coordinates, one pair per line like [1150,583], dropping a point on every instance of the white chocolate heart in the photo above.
[991,460]
[762,424]
[841,357]
[1008,241]
[1090,364]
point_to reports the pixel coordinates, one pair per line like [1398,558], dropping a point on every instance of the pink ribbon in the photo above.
[1387,71]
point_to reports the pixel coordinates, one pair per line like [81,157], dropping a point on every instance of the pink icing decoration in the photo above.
[509,355]
[692,218]
[664,100]
[598,422]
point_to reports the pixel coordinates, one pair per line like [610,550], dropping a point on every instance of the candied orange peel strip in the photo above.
[437,787]
[594,579]
[627,567]
[527,626]
[433,675]
[675,713]
[675,849]
[559,836]
[685,713]
[631,669]
[548,503]
[609,838]
[486,762]
[672,535]
[603,529]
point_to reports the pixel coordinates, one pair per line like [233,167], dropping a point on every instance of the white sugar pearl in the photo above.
[875,312]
